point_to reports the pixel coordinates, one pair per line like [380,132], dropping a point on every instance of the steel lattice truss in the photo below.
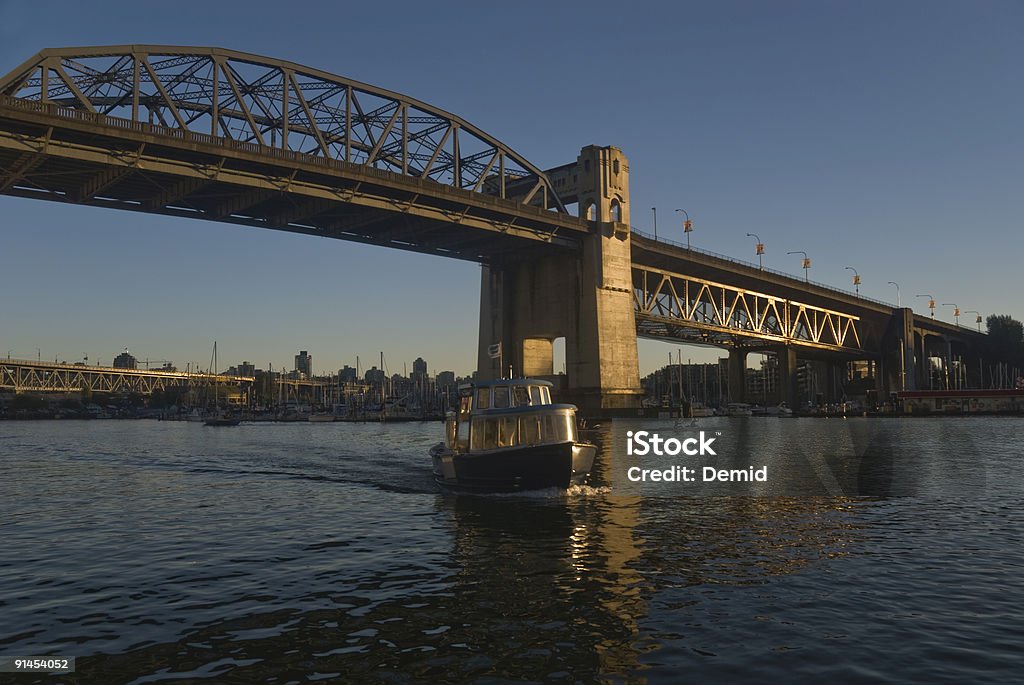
[278,105]
[678,307]
[22,376]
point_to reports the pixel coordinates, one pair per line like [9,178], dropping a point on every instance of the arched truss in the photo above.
[684,308]
[281,105]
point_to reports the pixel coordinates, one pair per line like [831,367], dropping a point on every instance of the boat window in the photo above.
[449,431]
[570,426]
[490,433]
[520,396]
[462,437]
[535,395]
[483,398]
[485,434]
[501,397]
[507,433]
[545,394]
[464,403]
[550,429]
[529,430]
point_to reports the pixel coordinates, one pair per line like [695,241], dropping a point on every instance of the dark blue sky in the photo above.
[886,136]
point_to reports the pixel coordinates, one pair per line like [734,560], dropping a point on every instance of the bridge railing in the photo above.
[742,262]
[51,109]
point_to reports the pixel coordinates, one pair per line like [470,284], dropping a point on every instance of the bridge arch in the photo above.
[279,105]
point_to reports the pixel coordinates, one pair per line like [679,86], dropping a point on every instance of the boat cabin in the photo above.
[508,413]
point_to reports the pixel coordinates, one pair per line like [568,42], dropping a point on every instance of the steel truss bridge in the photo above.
[689,309]
[228,136]
[34,376]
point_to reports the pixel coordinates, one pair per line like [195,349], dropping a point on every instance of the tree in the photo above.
[1006,338]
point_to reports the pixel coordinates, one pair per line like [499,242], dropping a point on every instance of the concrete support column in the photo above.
[788,383]
[737,375]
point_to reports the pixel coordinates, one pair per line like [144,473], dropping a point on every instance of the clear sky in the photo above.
[887,136]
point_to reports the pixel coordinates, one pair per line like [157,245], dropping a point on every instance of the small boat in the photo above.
[321,417]
[699,411]
[738,409]
[223,419]
[782,409]
[507,436]
[218,417]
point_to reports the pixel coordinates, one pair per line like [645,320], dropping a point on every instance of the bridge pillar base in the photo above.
[901,368]
[737,375]
[788,382]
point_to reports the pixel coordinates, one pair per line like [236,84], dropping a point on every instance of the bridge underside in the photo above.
[53,153]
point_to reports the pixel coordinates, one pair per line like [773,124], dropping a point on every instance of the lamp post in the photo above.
[654,210]
[899,305]
[977,320]
[759,249]
[806,264]
[856,279]
[931,303]
[956,311]
[687,226]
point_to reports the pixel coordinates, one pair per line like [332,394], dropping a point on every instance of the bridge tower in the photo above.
[526,303]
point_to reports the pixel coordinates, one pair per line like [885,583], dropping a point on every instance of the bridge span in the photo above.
[221,135]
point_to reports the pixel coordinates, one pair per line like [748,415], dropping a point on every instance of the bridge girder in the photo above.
[26,376]
[688,309]
[151,169]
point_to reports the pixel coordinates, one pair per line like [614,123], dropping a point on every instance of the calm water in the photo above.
[291,553]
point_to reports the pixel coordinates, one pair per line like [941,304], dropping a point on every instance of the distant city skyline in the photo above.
[882,137]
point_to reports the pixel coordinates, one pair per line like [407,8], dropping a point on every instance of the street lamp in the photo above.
[759,249]
[856,279]
[655,211]
[899,305]
[687,226]
[956,311]
[806,263]
[976,320]
[931,303]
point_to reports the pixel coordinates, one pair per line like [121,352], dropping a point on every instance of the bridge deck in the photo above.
[55,153]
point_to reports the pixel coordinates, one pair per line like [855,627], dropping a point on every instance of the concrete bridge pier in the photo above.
[585,297]
[737,375]
[788,382]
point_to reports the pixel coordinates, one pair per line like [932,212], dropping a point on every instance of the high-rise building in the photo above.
[419,370]
[304,363]
[347,375]
[375,376]
[125,361]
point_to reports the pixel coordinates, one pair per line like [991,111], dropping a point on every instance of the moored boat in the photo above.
[222,419]
[507,436]
[738,409]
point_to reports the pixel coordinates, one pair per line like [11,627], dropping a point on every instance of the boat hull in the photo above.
[223,421]
[515,469]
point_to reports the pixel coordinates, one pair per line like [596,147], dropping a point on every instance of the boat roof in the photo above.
[525,409]
[507,381]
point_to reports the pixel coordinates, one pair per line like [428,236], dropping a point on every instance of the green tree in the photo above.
[1006,338]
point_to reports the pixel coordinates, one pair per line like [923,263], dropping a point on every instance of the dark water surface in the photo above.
[159,552]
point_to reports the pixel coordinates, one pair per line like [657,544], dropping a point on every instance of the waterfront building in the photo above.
[304,363]
[125,361]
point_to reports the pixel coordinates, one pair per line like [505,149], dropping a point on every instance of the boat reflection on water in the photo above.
[579,586]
